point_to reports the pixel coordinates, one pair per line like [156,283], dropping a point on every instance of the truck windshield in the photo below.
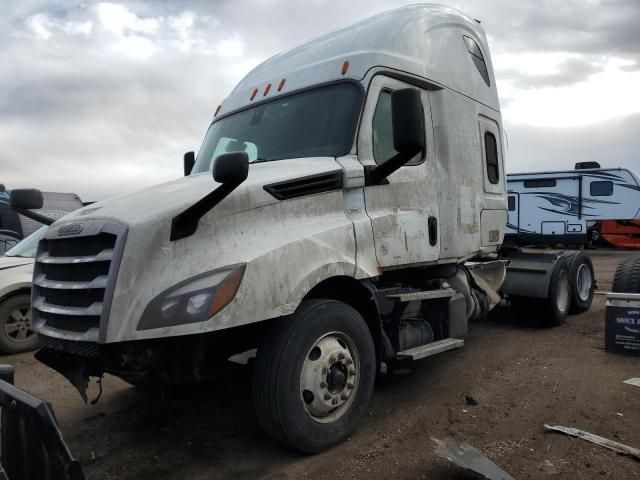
[313,123]
[27,247]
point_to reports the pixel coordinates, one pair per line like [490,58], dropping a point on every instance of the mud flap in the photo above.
[74,368]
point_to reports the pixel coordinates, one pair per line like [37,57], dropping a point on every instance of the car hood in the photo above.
[11,262]
[164,201]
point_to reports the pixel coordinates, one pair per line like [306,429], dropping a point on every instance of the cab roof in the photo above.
[424,40]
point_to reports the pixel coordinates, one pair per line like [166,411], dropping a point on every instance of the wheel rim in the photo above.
[584,282]
[329,377]
[562,300]
[18,326]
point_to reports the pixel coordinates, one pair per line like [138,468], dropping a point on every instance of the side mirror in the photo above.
[26,199]
[231,168]
[189,162]
[407,120]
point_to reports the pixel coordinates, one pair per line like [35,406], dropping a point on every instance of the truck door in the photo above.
[404,212]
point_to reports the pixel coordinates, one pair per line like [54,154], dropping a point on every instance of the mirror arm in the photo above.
[185,224]
[378,174]
[34,216]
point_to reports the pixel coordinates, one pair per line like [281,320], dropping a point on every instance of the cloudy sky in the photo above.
[102,98]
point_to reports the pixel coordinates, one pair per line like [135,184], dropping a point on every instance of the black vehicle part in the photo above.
[32,447]
[284,408]
[581,279]
[16,332]
[627,276]
[554,308]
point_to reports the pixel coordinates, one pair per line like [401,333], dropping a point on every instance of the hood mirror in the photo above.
[231,168]
[189,162]
[24,200]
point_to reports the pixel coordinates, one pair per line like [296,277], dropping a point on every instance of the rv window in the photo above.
[511,203]
[542,183]
[382,132]
[491,153]
[601,189]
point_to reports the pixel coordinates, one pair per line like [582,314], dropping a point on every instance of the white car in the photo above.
[16,270]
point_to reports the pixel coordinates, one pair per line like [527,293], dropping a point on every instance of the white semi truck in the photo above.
[354,219]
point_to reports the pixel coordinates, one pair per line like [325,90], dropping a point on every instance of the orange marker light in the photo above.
[217,111]
[266,90]
[254,93]
[345,67]
[281,86]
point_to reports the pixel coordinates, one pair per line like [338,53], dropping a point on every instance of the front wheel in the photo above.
[314,376]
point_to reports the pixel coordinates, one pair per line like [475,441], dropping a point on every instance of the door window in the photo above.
[382,131]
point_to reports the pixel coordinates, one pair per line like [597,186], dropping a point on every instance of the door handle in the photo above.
[433,231]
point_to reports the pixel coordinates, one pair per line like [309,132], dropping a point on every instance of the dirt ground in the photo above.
[522,377]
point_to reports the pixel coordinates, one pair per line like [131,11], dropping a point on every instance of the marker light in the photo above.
[217,111]
[281,86]
[266,90]
[254,93]
[345,67]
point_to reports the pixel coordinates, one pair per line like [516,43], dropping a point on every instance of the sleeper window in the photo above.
[601,189]
[491,153]
[382,132]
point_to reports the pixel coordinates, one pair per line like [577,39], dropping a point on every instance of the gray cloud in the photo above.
[102,109]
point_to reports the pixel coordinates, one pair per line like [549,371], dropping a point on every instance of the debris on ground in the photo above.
[469,458]
[633,381]
[590,437]
[470,400]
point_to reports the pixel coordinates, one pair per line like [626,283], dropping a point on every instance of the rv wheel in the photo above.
[627,276]
[314,376]
[16,333]
[582,281]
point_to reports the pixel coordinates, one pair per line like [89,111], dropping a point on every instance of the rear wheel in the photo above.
[581,280]
[627,276]
[16,332]
[553,310]
[314,376]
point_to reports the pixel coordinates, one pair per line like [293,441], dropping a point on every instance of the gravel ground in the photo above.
[521,376]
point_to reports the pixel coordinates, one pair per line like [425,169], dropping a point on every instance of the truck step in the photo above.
[429,349]
[424,295]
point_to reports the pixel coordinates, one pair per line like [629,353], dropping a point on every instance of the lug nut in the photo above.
[332,360]
[352,371]
[341,356]
[335,401]
[350,386]
[327,396]
[323,385]
[348,361]
[324,371]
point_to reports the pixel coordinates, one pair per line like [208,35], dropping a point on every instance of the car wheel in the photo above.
[16,332]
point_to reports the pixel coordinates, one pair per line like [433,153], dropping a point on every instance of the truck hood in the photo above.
[166,200]
[11,262]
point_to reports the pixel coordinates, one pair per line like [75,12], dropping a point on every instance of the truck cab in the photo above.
[354,218]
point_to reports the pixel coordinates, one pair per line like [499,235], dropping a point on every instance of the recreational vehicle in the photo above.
[560,207]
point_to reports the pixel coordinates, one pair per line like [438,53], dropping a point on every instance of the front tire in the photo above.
[16,331]
[314,376]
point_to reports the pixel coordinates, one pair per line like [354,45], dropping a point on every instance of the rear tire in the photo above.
[581,280]
[553,310]
[627,276]
[16,332]
[314,376]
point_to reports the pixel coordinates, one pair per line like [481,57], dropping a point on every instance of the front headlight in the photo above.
[194,300]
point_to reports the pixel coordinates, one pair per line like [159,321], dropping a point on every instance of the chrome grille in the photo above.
[73,281]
